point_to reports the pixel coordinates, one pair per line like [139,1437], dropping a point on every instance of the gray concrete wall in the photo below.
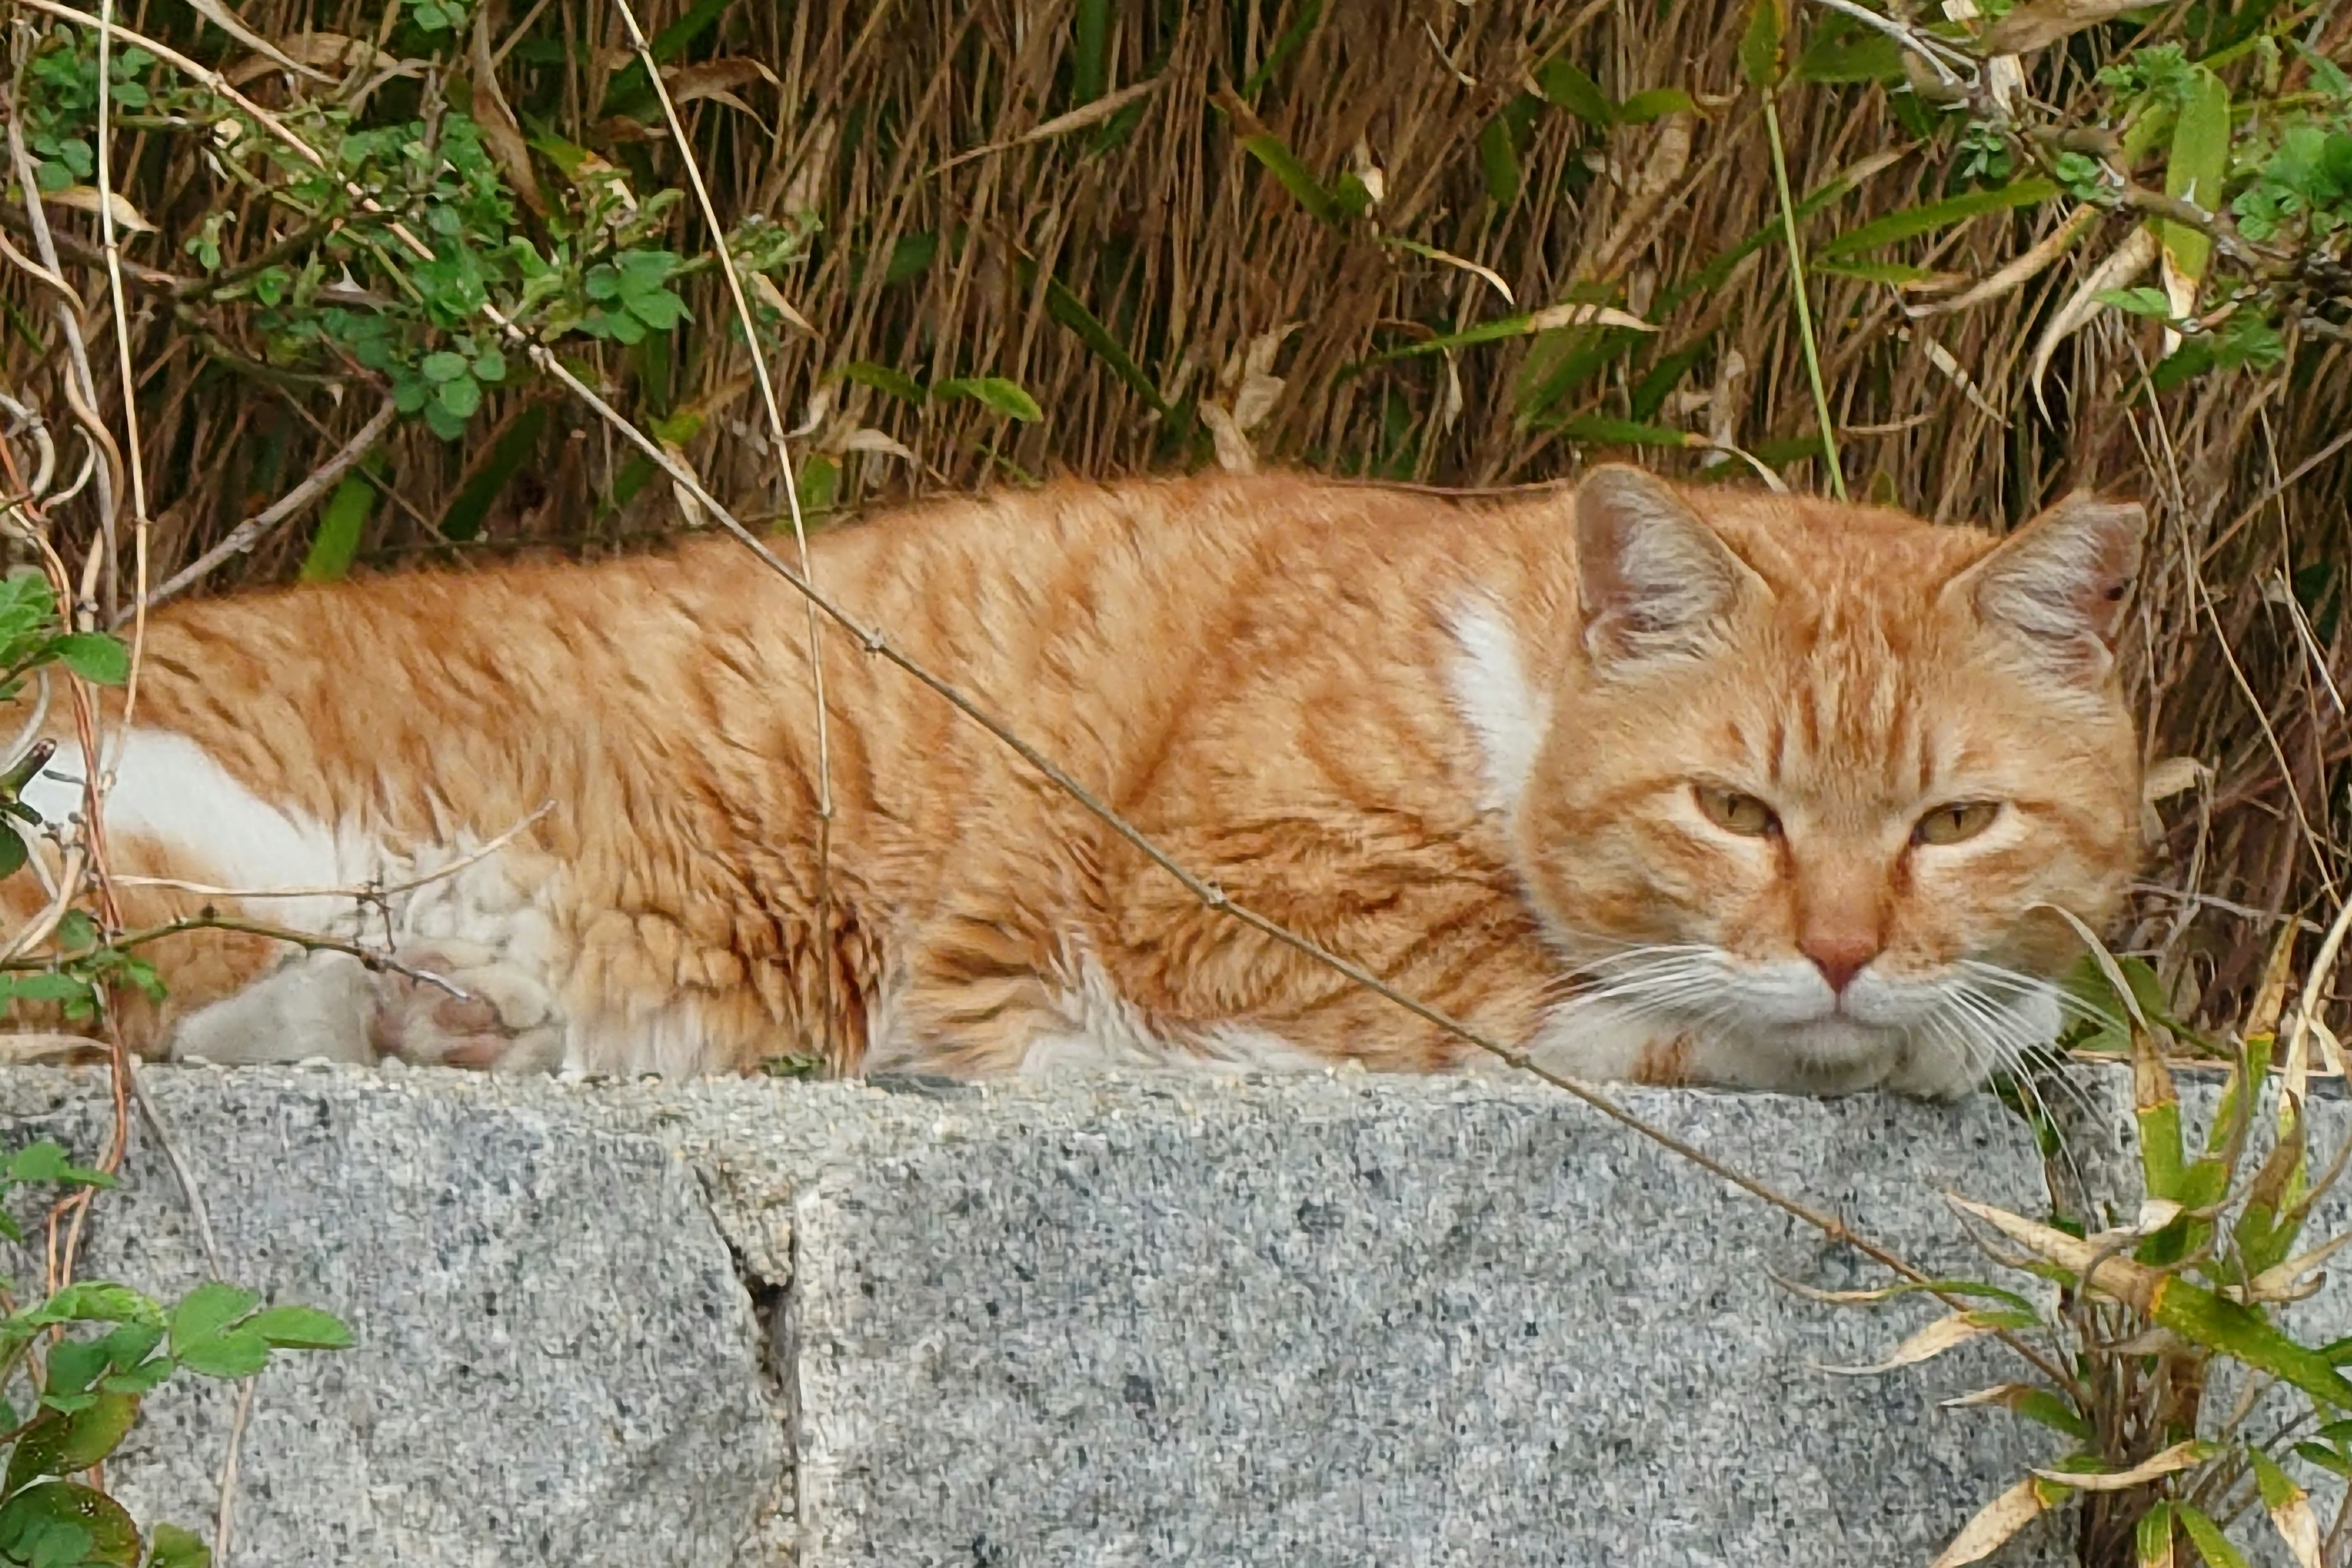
[1329,1321]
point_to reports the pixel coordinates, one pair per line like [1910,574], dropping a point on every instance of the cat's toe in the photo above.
[463,1007]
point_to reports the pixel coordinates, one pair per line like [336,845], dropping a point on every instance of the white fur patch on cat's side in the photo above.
[1496,699]
[169,789]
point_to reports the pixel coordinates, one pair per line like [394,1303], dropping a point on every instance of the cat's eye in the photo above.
[1737,813]
[1955,823]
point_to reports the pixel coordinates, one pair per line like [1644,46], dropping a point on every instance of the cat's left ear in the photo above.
[2059,582]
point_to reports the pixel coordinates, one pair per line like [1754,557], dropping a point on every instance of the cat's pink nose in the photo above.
[1840,956]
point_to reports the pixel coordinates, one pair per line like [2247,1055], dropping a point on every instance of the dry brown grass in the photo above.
[1188,252]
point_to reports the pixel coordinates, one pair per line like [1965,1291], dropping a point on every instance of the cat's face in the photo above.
[1818,767]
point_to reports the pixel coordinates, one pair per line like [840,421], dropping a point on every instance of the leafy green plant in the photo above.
[75,1368]
[2154,1332]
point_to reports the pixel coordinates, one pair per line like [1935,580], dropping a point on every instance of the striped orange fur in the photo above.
[1483,749]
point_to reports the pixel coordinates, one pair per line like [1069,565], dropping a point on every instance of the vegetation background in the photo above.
[364,267]
[1456,244]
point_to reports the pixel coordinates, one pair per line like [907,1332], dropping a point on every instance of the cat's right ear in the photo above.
[2058,582]
[1652,578]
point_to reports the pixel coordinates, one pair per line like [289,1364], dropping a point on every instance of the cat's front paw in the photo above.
[462,1005]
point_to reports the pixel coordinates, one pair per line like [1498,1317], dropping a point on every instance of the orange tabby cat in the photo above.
[1688,785]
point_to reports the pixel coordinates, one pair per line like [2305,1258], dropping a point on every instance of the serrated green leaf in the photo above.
[994,391]
[48,1161]
[301,1328]
[110,1538]
[94,1302]
[97,657]
[239,1352]
[56,1444]
[207,1310]
[460,397]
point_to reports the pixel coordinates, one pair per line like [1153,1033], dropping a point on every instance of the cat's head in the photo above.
[1813,767]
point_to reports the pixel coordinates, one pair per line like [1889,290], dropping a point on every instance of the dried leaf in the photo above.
[228,21]
[2170,777]
[760,284]
[1994,1523]
[1493,277]
[2180,1457]
[2120,1277]
[2285,1282]
[500,133]
[1235,454]
[1943,1334]
[1078,119]
[708,79]
[82,198]
[1553,316]
[2018,273]
[868,439]
[2135,255]
[2289,1506]
[2039,25]
[1449,396]
[1941,358]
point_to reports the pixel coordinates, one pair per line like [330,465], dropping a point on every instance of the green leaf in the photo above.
[1070,311]
[442,366]
[1888,272]
[461,397]
[883,378]
[2276,1488]
[993,391]
[1562,83]
[341,522]
[1854,55]
[820,486]
[2041,1405]
[301,1328]
[46,1160]
[239,1352]
[1089,46]
[12,851]
[62,1445]
[178,1548]
[94,1302]
[2206,1537]
[97,657]
[1499,163]
[660,309]
[1913,221]
[490,365]
[206,1310]
[1654,103]
[911,254]
[110,1538]
[2198,160]
[2138,302]
[1294,176]
[516,440]
[1605,432]
[1760,45]
[2152,1537]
